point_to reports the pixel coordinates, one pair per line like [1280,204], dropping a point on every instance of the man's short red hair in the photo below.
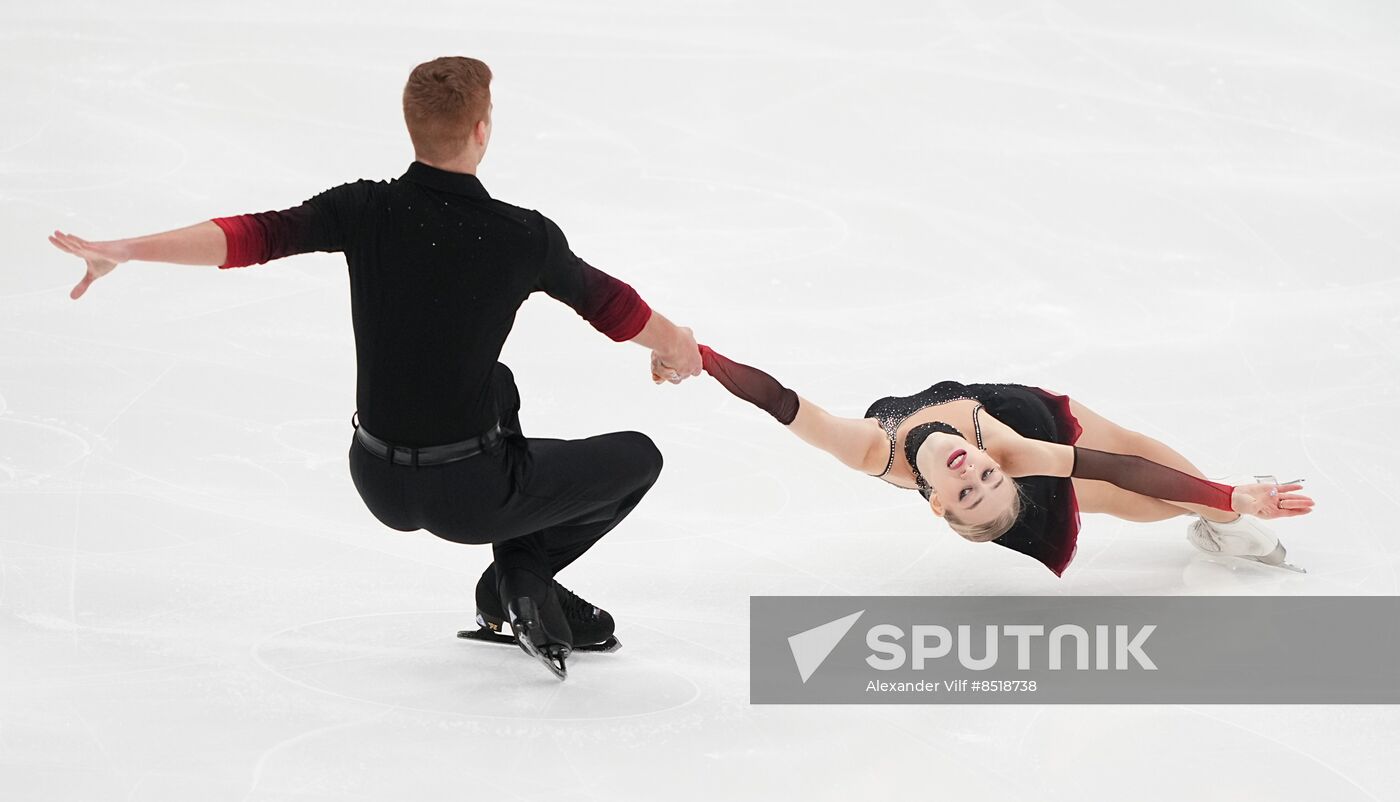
[443,101]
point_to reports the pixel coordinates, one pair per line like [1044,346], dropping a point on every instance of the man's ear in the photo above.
[479,133]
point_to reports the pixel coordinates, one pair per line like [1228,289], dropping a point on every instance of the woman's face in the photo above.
[966,481]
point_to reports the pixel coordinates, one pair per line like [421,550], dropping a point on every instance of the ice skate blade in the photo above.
[1285,566]
[608,646]
[1278,558]
[1224,559]
[552,657]
[523,620]
[487,635]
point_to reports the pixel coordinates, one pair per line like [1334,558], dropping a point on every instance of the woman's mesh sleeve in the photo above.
[751,385]
[1149,478]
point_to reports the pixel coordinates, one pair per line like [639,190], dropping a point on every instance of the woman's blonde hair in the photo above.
[997,526]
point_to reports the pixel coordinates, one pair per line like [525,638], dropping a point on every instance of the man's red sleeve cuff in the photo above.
[623,316]
[244,239]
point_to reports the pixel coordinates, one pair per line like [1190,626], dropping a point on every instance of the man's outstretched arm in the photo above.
[612,307]
[199,244]
[322,223]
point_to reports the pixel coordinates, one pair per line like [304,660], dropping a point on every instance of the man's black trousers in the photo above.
[540,502]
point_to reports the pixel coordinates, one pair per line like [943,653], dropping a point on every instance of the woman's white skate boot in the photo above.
[1244,537]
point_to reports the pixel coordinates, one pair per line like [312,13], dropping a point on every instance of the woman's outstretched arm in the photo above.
[857,442]
[1152,479]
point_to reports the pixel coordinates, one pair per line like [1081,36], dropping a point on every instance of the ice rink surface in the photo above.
[1176,214]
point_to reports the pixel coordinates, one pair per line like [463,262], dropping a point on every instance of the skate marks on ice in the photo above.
[411,660]
[47,448]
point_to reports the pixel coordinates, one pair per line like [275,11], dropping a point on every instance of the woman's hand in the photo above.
[660,371]
[101,257]
[680,359]
[1267,500]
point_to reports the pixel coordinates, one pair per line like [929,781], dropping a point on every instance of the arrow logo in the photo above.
[811,648]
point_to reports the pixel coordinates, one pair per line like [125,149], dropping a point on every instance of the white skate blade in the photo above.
[1277,559]
[1285,566]
[1243,541]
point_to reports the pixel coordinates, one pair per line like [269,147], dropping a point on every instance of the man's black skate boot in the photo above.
[490,613]
[592,626]
[536,619]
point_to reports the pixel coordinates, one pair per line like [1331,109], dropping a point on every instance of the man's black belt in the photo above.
[428,455]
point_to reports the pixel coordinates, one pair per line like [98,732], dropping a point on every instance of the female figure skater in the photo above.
[1034,462]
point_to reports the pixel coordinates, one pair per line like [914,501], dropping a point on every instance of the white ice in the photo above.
[1174,212]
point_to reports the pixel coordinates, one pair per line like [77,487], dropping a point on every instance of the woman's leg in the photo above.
[1095,496]
[1103,434]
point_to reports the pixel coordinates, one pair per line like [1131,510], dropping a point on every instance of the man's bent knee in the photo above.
[645,456]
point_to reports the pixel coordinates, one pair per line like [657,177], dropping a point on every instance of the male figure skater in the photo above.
[438,269]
